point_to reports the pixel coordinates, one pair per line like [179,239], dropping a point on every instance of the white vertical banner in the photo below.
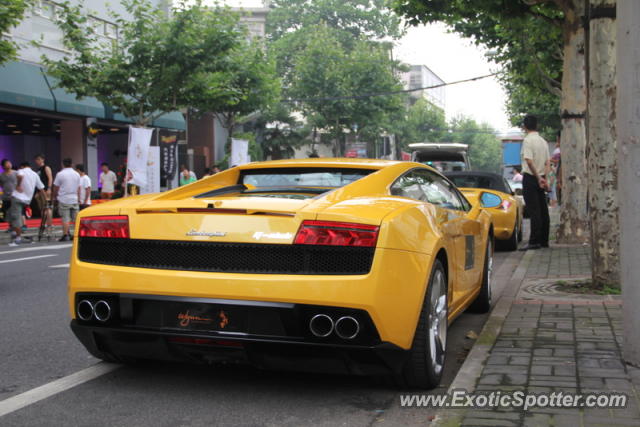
[239,152]
[153,172]
[138,154]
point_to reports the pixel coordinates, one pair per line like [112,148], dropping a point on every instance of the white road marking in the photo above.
[37,248]
[37,394]
[4,261]
[59,266]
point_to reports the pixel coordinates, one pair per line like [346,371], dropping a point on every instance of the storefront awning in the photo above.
[24,85]
[173,120]
[68,103]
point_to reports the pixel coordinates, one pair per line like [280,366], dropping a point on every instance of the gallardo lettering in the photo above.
[186,319]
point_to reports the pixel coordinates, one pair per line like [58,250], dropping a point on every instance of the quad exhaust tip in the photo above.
[85,310]
[321,325]
[102,311]
[347,328]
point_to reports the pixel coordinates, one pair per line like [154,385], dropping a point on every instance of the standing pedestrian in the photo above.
[27,183]
[66,192]
[517,175]
[108,181]
[535,168]
[8,181]
[85,187]
[44,199]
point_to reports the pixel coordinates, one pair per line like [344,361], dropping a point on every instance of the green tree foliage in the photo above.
[327,80]
[252,85]
[485,150]
[351,20]
[354,61]
[11,12]
[423,122]
[279,132]
[160,62]
[524,37]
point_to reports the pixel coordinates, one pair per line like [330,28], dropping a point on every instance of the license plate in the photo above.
[204,317]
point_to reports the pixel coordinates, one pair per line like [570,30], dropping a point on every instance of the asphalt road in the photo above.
[37,347]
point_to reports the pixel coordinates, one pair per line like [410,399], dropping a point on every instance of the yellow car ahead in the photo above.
[494,193]
[337,265]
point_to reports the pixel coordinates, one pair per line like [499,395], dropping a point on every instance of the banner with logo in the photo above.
[138,154]
[168,156]
[153,172]
[239,152]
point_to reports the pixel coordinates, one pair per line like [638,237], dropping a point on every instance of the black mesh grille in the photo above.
[226,257]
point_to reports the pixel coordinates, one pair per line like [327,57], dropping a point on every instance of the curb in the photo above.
[468,374]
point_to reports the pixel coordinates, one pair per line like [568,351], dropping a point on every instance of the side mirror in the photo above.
[488,200]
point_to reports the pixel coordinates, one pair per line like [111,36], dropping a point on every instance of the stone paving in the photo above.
[571,347]
[560,262]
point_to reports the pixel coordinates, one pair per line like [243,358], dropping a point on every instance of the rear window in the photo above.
[467,181]
[299,178]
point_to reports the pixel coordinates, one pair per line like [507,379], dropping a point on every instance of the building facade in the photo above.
[420,76]
[38,118]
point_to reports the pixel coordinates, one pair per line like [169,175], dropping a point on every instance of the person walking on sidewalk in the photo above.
[66,191]
[85,187]
[8,181]
[27,183]
[535,168]
[44,200]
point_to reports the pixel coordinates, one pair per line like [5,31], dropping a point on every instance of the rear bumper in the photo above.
[281,354]
[391,293]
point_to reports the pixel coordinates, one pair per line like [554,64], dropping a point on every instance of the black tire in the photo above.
[482,303]
[512,243]
[423,369]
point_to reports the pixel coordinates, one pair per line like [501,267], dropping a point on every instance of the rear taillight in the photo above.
[506,205]
[116,226]
[331,233]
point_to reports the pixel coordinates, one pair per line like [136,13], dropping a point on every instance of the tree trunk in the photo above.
[628,57]
[574,223]
[602,146]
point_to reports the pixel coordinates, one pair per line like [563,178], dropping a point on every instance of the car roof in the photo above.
[497,180]
[439,146]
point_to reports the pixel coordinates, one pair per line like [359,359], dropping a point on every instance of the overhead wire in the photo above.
[395,92]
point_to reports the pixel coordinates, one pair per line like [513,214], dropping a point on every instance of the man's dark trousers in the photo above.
[535,199]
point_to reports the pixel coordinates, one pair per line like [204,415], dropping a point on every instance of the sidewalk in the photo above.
[539,339]
[33,226]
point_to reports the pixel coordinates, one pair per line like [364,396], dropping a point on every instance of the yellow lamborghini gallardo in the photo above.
[338,265]
[494,193]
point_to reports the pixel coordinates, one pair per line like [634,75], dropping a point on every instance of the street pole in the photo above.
[628,116]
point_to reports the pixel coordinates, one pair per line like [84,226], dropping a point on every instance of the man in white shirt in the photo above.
[66,191]
[108,181]
[536,166]
[27,183]
[85,187]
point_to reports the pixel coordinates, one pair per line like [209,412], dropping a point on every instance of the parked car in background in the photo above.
[444,156]
[494,193]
